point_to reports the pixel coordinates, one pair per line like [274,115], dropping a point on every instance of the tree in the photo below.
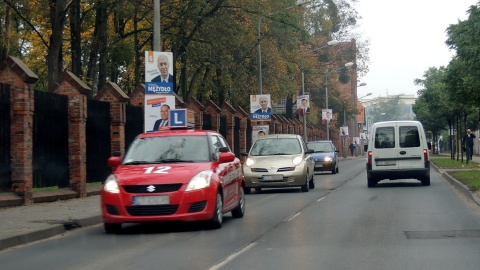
[433,107]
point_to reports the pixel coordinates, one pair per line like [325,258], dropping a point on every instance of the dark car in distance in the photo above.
[325,156]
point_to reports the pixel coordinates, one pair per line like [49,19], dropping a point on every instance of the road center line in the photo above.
[232,256]
[294,216]
[319,200]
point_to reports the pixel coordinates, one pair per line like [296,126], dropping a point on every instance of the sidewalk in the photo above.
[25,224]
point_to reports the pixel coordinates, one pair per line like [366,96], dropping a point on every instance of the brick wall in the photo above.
[21,80]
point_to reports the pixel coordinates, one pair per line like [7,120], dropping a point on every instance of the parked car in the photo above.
[173,175]
[325,156]
[279,160]
[397,150]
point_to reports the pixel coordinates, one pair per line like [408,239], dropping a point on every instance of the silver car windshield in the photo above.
[276,146]
[168,149]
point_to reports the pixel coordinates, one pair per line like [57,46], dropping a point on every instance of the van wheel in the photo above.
[371,182]
[426,181]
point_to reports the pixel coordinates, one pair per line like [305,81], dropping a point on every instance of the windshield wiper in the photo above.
[136,162]
[173,160]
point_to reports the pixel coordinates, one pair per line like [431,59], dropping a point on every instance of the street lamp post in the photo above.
[330,43]
[259,49]
[349,64]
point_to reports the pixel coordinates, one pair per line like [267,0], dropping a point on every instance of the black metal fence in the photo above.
[236,137]
[98,140]
[249,134]
[207,122]
[5,165]
[134,124]
[50,140]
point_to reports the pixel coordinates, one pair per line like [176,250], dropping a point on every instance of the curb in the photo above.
[31,236]
[54,230]
[457,184]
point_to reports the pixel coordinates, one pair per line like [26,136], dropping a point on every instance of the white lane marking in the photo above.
[238,253]
[292,217]
[231,257]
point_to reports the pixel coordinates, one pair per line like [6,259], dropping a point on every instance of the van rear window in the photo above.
[385,137]
[409,137]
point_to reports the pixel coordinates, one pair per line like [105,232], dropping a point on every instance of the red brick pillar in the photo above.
[212,109]
[197,108]
[112,93]
[77,92]
[21,79]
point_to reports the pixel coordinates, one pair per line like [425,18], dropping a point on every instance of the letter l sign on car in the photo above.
[182,118]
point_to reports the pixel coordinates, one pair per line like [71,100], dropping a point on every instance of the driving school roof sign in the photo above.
[181,118]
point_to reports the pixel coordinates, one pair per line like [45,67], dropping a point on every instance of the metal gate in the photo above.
[134,123]
[98,140]
[236,137]
[50,140]
[223,126]
[207,122]
[5,163]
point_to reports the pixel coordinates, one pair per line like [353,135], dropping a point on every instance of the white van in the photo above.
[397,150]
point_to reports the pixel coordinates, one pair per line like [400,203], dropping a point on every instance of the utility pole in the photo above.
[157,41]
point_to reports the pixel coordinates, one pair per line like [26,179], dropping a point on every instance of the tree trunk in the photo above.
[6,35]
[75,38]
[99,37]
[54,58]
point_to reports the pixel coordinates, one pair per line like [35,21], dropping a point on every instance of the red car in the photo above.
[173,175]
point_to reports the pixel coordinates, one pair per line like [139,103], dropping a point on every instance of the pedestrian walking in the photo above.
[468,142]
[352,148]
[440,145]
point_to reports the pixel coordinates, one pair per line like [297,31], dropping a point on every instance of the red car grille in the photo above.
[152,210]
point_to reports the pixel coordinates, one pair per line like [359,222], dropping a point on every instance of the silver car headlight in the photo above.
[328,159]
[249,162]
[201,180]
[297,160]
[111,185]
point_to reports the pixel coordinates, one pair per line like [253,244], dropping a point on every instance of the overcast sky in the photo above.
[406,38]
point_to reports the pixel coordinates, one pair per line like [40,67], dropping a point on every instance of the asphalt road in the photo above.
[341,224]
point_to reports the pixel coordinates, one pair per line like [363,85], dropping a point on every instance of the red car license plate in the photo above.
[151,200]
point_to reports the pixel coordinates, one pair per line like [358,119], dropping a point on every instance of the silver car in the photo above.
[279,160]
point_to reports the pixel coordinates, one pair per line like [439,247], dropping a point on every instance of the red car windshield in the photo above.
[168,149]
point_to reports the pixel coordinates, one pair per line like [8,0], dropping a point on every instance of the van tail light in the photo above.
[425,155]
[369,157]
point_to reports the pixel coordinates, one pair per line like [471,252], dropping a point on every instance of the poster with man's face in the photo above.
[260,108]
[259,131]
[159,72]
[326,116]
[303,102]
[156,109]
[344,131]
